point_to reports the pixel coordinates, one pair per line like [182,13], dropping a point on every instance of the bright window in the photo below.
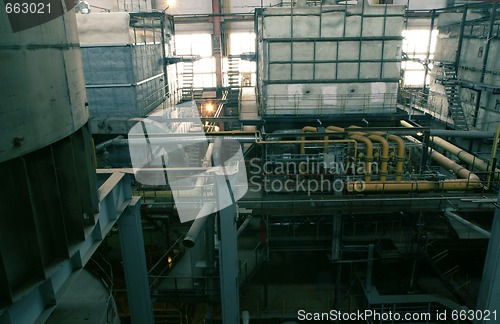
[240,43]
[203,69]
[415,44]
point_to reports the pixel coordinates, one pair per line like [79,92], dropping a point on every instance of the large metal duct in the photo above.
[42,86]
[49,193]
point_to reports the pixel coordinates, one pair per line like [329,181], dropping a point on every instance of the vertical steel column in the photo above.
[488,298]
[228,259]
[460,38]
[228,244]
[485,61]
[336,235]
[425,151]
[428,54]
[217,42]
[369,270]
[134,263]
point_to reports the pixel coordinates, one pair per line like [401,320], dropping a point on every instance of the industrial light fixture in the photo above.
[82,7]
[209,107]
[169,3]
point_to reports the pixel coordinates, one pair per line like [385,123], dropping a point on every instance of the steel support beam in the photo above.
[453,216]
[217,41]
[486,55]
[228,258]
[39,300]
[134,263]
[369,269]
[228,255]
[488,298]
[336,236]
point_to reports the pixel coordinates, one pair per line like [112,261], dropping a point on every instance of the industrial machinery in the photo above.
[327,185]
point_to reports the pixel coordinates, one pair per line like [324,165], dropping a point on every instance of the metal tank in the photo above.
[49,194]
[42,87]
[329,59]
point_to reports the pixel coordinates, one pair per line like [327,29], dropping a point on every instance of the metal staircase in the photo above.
[233,73]
[451,87]
[187,80]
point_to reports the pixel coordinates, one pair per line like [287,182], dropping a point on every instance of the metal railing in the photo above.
[345,104]
[155,99]
[244,272]
[432,103]
[157,273]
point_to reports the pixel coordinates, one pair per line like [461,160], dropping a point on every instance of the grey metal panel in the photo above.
[124,81]
[150,94]
[146,61]
[488,298]
[311,58]
[108,65]
[37,298]
[112,101]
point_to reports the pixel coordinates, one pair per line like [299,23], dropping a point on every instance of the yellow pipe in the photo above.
[401,152]
[303,144]
[458,152]
[385,152]
[357,136]
[369,154]
[400,156]
[493,154]
[467,179]
[460,171]
[413,186]
[385,155]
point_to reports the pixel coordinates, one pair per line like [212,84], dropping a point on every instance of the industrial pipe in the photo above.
[458,152]
[466,179]
[213,152]
[189,193]
[457,169]
[452,215]
[369,154]
[412,186]
[400,156]
[384,157]
[244,225]
[115,141]
[200,180]
[358,136]
[401,152]
[303,144]
[198,224]
[385,152]
[460,133]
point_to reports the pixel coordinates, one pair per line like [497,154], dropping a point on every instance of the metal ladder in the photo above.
[187,80]
[451,88]
[233,73]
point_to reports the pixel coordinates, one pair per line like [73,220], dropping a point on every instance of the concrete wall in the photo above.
[41,85]
[330,62]
[470,67]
